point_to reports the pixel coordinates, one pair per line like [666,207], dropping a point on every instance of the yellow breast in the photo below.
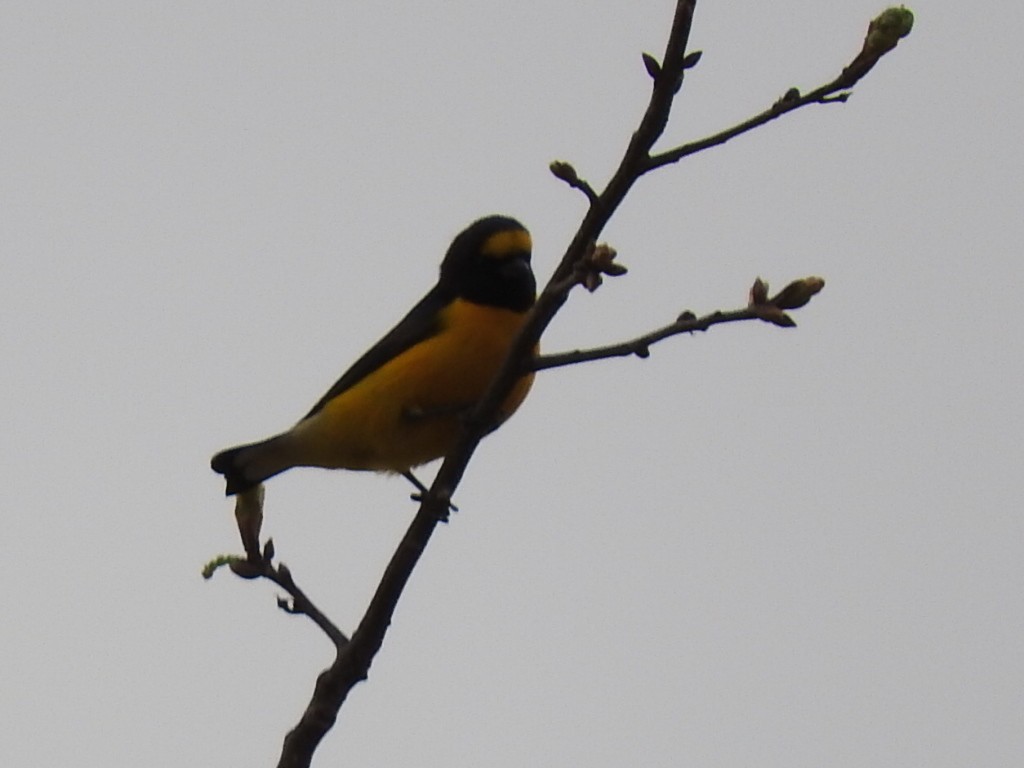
[408,411]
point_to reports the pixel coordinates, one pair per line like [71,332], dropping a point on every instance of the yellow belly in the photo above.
[408,411]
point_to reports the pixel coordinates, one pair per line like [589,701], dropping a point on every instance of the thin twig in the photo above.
[884,33]
[640,346]
[352,662]
[262,566]
[567,173]
[759,307]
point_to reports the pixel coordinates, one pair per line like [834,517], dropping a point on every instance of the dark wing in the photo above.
[421,323]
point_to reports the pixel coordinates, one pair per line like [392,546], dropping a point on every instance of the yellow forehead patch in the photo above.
[503,243]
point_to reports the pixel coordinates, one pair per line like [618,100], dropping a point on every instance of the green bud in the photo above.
[887,29]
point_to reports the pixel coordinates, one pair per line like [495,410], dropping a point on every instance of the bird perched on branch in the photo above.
[401,404]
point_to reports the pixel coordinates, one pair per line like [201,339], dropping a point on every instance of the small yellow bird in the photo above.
[401,404]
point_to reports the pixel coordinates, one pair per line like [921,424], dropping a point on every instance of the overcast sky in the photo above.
[759,547]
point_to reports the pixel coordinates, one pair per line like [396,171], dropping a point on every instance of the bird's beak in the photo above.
[516,267]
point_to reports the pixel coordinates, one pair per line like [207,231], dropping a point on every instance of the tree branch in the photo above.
[884,33]
[353,660]
[795,295]
[352,657]
[258,564]
[641,345]
[582,263]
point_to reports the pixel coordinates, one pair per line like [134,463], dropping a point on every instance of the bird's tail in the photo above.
[246,466]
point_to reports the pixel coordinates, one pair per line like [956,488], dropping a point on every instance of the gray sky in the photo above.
[757,548]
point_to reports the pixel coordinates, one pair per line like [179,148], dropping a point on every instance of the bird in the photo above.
[402,403]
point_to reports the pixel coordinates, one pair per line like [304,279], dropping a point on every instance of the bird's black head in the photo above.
[489,263]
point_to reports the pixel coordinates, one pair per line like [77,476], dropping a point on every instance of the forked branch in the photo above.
[583,263]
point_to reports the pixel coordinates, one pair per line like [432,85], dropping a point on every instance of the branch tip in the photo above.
[564,171]
[793,296]
[884,32]
[217,563]
[887,29]
[798,293]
